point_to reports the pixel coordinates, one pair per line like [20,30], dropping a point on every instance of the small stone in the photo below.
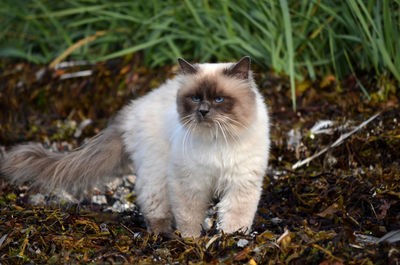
[103,228]
[39,74]
[242,242]
[276,220]
[331,160]
[120,207]
[131,179]
[114,184]
[117,207]
[99,199]
[254,234]
[120,193]
[208,223]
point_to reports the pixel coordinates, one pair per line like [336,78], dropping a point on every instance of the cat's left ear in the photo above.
[186,67]
[241,69]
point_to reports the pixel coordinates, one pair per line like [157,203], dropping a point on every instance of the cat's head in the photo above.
[219,98]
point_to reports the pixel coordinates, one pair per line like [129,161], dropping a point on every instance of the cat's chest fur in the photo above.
[208,156]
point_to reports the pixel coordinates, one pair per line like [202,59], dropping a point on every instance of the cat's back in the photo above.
[145,120]
[151,108]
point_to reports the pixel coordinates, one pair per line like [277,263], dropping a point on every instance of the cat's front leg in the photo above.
[238,206]
[189,204]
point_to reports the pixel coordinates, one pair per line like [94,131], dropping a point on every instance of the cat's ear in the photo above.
[241,69]
[186,67]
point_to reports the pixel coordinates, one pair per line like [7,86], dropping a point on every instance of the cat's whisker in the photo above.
[178,129]
[188,136]
[236,134]
[216,132]
[186,121]
[222,131]
[184,138]
[186,118]
[231,131]
[235,121]
[191,139]
[232,122]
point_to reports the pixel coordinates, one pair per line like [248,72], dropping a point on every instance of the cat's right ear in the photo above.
[186,67]
[241,69]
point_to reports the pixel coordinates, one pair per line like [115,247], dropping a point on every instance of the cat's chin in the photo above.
[206,124]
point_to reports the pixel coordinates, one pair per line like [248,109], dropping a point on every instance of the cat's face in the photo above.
[220,101]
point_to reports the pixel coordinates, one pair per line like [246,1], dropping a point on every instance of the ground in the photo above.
[331,210]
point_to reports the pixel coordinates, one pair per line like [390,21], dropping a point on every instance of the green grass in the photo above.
[298,38]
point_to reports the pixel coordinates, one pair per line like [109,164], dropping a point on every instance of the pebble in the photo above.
[242,242]
[99,199]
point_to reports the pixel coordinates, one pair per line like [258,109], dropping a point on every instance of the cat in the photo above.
[202,134]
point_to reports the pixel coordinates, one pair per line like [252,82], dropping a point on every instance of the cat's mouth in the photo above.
[205,121]
[221,125]
[208,124]
[198,122]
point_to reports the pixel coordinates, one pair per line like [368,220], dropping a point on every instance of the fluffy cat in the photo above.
[204,133]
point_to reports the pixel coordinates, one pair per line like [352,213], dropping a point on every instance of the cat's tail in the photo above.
[76,172]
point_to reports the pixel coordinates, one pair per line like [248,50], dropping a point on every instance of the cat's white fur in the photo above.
[182,173]
[178,171]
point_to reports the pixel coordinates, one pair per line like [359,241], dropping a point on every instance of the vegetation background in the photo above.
[304,39]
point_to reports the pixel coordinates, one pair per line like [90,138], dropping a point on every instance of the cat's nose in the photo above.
[203,112]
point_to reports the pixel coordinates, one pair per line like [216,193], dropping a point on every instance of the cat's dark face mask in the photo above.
[221,100]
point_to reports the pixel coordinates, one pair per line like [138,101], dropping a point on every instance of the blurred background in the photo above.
[302,39]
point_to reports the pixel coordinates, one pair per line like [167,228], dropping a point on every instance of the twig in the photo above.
[76,46]
[76,74]
[391,237]
[339,141]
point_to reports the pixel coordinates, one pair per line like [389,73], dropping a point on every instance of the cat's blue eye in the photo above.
[219,99]
[195,99]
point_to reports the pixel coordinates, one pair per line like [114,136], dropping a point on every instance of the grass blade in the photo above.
[289,45]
